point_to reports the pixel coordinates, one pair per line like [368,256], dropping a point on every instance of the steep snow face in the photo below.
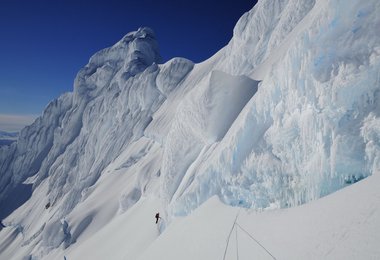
[133,54]
[24,158]
[64,153]
[80,133]
[178,133]
[312,126]
[260,31]
[316,230]
[203,118]
[58,143]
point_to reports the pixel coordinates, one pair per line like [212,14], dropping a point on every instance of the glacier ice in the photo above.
[286,113]
[301,135]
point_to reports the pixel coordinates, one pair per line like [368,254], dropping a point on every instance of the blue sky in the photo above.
[44,42]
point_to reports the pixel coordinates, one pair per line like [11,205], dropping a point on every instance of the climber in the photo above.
[157,217]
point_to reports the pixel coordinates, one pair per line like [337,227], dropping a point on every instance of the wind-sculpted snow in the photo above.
[82,132]
[24,158]
[202,118]
[130,56]
[312,127]
[123,96]
[260,31]
[135,134]
[171,74]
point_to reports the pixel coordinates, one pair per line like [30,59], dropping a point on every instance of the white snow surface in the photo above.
[285,114]
[343,225]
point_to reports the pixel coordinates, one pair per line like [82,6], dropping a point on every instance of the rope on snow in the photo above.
[229,235]
[236,238]
[255,240]
[237,244]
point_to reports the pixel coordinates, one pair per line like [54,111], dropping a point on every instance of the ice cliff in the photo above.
[286,113]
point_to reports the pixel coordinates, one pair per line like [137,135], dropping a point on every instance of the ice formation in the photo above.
[286,113]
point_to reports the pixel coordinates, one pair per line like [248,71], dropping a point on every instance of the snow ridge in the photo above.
[61,138]
[136,136]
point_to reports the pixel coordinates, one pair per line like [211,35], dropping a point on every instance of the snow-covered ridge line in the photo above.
[295,141]
[60,129]
[139,137]
[64,152]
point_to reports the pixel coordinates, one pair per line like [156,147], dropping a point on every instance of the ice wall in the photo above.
[188,132]
[82,132]
[65,151]
[310,128]
[202,118]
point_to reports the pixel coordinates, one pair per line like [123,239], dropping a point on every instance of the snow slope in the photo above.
[343,225]
[191,140]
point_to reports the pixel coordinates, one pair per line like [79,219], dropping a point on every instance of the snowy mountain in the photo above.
[7,135]
[286,113]
[7,138]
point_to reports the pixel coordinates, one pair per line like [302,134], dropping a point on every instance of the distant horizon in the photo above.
[44,44]
[13,123]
